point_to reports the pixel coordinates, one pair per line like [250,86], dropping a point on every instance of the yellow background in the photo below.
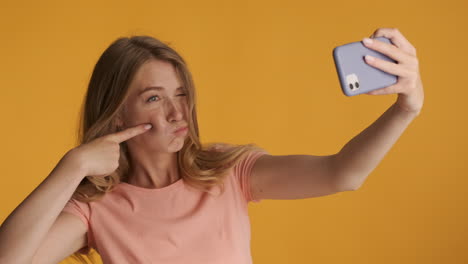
[267,69]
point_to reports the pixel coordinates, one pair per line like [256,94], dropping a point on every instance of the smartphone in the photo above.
[355,75]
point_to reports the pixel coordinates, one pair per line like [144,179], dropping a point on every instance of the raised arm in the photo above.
[363,153]
[294,177]
[359,157]
[304,176]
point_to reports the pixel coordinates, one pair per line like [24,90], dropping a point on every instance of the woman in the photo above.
[142,194]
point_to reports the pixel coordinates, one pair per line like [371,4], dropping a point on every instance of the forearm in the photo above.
[362,154]
[26,227]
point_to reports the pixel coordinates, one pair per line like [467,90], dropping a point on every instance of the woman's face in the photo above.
[155,98]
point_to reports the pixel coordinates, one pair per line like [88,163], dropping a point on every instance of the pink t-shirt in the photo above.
[176,224]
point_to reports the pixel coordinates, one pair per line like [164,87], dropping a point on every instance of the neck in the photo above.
[154,171]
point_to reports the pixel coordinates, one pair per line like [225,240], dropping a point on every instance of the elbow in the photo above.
[350,187]
[346,183]
[344,180]
[353,185]
[343,184]
[350,184]
[341,181]
[354,188]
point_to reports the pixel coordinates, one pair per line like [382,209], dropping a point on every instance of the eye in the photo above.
[151,97]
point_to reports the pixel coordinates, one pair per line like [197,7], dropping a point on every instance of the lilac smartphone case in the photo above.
[355,75]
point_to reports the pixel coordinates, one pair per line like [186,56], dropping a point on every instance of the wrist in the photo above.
[73,161]
[408,112]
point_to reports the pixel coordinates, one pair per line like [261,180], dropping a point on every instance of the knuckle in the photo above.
[110,140]
[412,61]
[408,73]
[413,81]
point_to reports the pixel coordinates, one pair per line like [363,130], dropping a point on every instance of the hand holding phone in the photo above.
[355,75]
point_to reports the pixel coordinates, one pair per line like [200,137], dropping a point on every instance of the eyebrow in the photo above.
[157,88]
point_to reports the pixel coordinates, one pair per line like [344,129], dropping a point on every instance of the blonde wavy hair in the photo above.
[202,166]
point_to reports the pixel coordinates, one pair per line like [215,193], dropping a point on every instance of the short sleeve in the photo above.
[242,173]
[81,210]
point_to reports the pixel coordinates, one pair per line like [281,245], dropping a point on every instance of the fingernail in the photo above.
[367,41]
[369,58]
[148,126]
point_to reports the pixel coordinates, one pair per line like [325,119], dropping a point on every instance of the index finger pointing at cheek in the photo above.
[128,133]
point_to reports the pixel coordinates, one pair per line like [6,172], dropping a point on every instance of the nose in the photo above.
[174,109]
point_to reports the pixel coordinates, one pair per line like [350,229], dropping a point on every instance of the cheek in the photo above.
[137,115]
[186,113]
[158,125]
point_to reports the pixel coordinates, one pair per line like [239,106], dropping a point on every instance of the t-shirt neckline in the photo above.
[169,187]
